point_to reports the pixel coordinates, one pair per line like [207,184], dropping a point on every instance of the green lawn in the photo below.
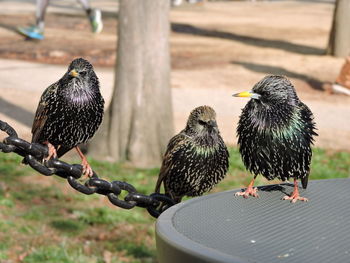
[42,219]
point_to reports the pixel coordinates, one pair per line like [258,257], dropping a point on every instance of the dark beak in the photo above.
[212,125]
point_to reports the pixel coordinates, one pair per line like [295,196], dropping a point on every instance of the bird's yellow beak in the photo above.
[245,94]
[73,73]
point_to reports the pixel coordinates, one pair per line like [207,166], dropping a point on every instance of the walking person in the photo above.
[37,31]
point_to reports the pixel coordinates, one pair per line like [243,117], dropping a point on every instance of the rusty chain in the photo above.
[33,152]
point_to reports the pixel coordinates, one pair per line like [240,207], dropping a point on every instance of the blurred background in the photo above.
[216,48]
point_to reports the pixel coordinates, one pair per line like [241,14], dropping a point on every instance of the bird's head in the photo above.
[272,90]
[81,73]
[80,83]
[202,121]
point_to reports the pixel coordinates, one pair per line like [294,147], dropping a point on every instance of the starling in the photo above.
[69,112]
[275,133]
[196,159]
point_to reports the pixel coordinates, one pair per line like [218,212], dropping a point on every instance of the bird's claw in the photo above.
[249,191]
[87,170]
[52,151]
[294,198]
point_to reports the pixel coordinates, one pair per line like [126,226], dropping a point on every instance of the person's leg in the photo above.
[95,16]
[36,31]
[41,6]
[85,4]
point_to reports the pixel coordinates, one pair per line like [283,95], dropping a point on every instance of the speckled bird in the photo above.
[196,159]
[69,112]
[275,134]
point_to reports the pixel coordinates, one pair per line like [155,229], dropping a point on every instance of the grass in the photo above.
[42,219]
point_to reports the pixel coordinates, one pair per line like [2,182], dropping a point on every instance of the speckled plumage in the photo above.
[196,159]
[70,110]
[275,132]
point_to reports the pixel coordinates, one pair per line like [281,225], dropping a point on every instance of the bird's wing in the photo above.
[309,132]
[177,143]
[42,112]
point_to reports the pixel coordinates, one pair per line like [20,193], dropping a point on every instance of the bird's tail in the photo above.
[304,181]
[159,183]
[24,161]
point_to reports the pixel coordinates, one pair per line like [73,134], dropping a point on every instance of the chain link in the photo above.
[33,152]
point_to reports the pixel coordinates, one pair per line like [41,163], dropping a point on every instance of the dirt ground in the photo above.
[217,49]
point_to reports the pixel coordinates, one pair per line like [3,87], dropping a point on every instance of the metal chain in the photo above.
[33,152]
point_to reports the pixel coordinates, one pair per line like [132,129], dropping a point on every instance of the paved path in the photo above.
[23,82]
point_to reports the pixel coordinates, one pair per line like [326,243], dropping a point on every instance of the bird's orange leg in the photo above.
[52,151]
[249,191]
[295,195]
[87,171]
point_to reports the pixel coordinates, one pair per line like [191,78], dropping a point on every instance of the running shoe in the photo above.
[32,32]
[95,18]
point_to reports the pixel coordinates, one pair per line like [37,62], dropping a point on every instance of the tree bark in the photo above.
[139,121]
[339,39]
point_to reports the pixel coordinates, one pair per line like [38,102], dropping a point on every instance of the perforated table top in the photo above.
[223,228]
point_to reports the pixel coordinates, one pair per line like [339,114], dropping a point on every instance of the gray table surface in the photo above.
[223,228]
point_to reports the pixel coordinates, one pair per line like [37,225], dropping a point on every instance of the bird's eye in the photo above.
[82,73]
[265,93]
[202,122]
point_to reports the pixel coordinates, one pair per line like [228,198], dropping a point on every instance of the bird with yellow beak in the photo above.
[275,134]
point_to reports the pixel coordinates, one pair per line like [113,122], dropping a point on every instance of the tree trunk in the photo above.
[139,121]
[339,40]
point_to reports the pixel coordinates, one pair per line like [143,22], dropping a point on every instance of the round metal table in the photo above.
[223,228]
